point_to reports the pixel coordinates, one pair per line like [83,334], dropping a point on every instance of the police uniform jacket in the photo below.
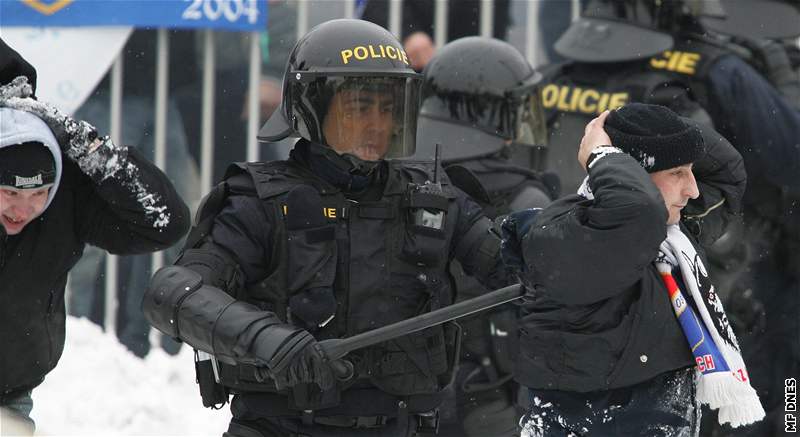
[597,315]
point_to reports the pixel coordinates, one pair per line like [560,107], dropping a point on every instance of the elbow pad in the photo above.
[479,247]
[168,291]
[178,304]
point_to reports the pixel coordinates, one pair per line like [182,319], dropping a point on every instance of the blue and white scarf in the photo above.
[724,383]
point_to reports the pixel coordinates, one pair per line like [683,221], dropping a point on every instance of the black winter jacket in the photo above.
[598,316]
[113,215]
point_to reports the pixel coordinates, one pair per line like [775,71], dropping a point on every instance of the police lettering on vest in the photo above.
[676,61]
[584,100]
[371,51]
[327,212]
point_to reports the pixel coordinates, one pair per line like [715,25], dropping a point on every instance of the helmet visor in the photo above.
[370,117]
[527,121]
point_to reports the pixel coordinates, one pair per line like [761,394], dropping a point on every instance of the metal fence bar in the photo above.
[111,283]
[487,18]
[253,103]
[302,18]
[160,134]
[207,113]
[440,23]
[349,9]
[576,9]
[531,32]
[396,17]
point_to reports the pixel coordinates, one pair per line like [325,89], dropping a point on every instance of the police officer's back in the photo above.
[335,241]
[481,101]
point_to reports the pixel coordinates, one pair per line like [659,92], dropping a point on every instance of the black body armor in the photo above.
[399,271]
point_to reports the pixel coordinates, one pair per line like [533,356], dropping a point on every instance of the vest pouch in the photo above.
[452,341]
[411,364]
[213,394]
[311,271]
[312,258]
[425,237]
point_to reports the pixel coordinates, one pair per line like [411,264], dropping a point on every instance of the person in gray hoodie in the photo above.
[63,186]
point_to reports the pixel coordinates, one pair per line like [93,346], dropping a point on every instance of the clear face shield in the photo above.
[527,122]
[369,117]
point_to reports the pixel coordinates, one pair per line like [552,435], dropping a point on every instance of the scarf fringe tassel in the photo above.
[737,402]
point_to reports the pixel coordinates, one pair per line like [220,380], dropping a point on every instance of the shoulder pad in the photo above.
[466,180]
[420,171]
[270,179]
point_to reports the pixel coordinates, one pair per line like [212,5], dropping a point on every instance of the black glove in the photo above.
[514,227]
[17,88]
[293,357]
[77,139]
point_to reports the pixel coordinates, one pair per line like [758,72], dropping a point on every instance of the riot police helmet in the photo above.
[771,19]
[348,85]
[619,30]
[479,96]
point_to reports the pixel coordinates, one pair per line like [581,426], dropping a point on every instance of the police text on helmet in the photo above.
[370,51]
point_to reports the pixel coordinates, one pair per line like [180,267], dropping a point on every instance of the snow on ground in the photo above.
[101,389]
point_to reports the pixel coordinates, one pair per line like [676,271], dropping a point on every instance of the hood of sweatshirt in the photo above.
[18,127]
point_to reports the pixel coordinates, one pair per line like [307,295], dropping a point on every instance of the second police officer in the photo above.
[481,102]
[337,240]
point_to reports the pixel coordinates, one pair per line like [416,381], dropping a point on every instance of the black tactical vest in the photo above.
[382,268]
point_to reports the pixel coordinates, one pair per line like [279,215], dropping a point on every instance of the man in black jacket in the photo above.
[61,187]
[717,66]
[601,349]
[334,241]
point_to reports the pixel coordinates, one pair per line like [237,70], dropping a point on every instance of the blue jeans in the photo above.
[665,406]
[18,409]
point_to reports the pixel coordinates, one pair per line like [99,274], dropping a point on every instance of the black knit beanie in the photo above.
[654,135]
[26,165]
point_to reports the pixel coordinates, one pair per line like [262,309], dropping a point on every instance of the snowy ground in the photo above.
[101,389]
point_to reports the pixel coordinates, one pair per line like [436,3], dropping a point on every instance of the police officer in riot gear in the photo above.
[334,241]
[674,53]
[481,101]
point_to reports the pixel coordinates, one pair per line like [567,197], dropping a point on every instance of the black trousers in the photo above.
[665,406]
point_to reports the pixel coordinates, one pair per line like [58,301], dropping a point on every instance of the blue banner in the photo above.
[241,15]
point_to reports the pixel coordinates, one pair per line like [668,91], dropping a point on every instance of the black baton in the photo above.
[336,348]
